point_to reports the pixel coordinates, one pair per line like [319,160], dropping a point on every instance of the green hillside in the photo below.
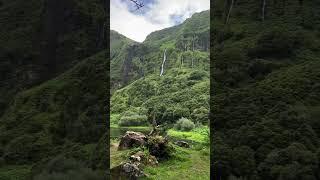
[184,42]
[53,80]
[165,81]
[60,120]
[40,39]
[266,100]
[183,88]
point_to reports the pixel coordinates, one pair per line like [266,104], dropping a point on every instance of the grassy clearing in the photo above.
[15,172]
[190,164]
[193,163]
[199,135]
[116,157]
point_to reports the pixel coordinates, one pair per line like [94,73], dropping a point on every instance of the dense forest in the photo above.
[53,89]
[266,88]
[163,82]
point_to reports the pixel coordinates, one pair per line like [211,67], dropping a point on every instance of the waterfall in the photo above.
[164,60]
[230,9]
[263,9]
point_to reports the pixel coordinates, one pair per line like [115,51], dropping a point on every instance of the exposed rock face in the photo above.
[132,139]
[182,144]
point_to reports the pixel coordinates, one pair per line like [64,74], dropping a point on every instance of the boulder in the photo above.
[127,170]
[132,139]
[182,144]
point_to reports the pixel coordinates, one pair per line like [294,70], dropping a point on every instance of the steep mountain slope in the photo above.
[64,116]
[118,51]
[266,79]
[140,59]
[166,76]
[53,81]
[39,39]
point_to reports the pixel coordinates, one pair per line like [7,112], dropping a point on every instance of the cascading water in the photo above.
[163,62]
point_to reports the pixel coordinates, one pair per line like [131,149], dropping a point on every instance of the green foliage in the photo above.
[169,98]
[184,124]
[277,43]
[133,120]
[64,168]
[21,172]
[198,135]
[266,79]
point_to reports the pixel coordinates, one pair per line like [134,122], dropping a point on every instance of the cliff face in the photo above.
[265,74]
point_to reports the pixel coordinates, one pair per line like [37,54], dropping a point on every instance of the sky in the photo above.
[136,24]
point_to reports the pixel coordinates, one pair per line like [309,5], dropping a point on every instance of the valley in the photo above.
[164,82]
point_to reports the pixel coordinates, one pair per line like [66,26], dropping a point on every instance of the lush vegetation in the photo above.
[180,163]
[52,88]
[197,135]
[184,124]
[185,164]
[177,100]
[265,104]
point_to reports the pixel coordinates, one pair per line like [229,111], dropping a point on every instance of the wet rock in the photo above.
[132,139]
[182,144]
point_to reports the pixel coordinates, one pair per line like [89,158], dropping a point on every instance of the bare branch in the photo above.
[137,3]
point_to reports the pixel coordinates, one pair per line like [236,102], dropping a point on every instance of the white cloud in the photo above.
[158,16]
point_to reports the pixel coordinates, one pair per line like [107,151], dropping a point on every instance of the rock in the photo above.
[141,157]
[132,139]
[182,144]
[126,171]
[152,160]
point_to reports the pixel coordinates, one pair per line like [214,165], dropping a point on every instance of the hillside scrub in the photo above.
[265,101]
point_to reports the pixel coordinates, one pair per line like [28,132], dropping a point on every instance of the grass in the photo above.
[193,163]
[116,157]
[198,135]
[185,164]
[15,172]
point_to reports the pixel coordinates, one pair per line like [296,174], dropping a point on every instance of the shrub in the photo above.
[277,43]
[133,120]
[184,124]
[200,115]
[197,75]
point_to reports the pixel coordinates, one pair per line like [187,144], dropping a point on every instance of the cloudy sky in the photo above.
[136,24]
